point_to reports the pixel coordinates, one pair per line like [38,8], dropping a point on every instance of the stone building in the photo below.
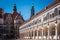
[45,25]
[9,23]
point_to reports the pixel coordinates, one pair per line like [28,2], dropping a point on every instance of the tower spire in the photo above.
[15,9]
[32,10]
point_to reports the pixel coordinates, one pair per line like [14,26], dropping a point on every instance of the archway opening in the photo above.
[52,30]
[58,27]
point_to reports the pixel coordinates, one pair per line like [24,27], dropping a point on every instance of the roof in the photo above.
[6,14]
[14,15]
[39,13]
[1,16]
[1,10]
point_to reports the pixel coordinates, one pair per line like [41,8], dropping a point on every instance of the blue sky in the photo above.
[24,6]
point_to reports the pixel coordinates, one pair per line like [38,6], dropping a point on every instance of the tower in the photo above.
[15,9]
[15,13]
[32,10]
[18,20]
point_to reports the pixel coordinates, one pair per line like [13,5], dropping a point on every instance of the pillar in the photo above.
[25,34]
[32,34]
[48,34]
[37,34]
[42,33]
[56,33]
[28,34]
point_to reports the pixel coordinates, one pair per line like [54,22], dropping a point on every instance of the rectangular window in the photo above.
[59,12]
[52,14]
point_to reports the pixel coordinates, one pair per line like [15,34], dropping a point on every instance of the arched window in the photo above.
[56,12]
[52,14]
[48,16]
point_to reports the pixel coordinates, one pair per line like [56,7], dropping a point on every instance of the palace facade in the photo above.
[43,25]
[9,23]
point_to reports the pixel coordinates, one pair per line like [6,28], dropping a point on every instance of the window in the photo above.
[59,12]
[52,14]
[19,22]
[56,12]
[35,22]
[48,16]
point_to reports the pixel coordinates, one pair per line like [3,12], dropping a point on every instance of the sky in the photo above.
[24,6]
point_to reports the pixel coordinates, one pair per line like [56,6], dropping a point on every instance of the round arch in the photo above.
[58,27]
[52,30]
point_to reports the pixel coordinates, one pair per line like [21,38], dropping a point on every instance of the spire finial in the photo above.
[32,4]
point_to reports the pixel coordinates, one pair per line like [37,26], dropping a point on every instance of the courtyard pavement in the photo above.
[24,39]
[9,39]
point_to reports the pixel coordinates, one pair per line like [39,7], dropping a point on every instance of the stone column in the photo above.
[32,34]
[37,34]
[42,33]
[28,34]
[56,33]
[48,33]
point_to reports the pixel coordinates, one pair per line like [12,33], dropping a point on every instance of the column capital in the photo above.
[47,26]
[55,24]
[41,27]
